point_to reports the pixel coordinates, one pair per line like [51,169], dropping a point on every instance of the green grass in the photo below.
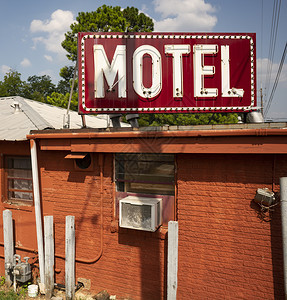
[9,295]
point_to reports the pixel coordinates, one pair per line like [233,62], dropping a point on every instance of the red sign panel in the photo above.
[165,72]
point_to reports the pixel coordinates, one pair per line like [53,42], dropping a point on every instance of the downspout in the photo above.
[38,215]
[283,196]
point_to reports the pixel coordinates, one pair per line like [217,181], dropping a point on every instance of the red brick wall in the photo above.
[23,216]
[132,263]
[225,250]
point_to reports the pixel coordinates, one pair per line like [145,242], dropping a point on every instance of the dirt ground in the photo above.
[7,293]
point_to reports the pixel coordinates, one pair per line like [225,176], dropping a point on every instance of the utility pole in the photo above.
[261,98]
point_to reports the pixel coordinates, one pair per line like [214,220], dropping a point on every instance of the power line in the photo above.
[272,43]
[276,80]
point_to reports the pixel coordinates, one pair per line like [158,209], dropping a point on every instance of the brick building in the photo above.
[207,178]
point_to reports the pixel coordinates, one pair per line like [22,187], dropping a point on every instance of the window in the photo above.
[19,180]
[145,173]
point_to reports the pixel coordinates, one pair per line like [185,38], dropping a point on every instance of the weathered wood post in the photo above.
[70,257]
[172,260]
[8,244]
[49,256]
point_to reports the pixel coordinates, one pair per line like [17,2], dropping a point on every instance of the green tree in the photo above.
[64,85]
[61,100]
[12,85]
[137,22]
[187,119]
[42,84]
[39,87]
[105,19]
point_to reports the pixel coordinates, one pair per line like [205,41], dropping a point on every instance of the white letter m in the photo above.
[103,66]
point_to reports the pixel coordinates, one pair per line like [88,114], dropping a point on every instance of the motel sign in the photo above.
[165,73]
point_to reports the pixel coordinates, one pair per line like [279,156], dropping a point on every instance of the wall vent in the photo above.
[140,213]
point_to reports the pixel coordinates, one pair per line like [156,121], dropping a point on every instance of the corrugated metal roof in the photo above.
[33,115]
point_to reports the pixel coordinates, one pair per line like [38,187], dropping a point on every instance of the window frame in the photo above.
[160,180]
[7,177]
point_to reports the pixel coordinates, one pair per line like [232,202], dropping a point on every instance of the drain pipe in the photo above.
[283,196]
[38,215]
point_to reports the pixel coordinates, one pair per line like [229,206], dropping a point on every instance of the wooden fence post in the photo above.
[172,260]
[8,244]
[70,257]
[49,256]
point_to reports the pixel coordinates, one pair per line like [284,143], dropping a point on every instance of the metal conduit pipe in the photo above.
[21,248]
[283,196]
[38,215]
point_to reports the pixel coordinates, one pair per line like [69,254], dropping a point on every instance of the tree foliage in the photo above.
[35,88]
[60,100]
[39,87]
[187,119]
[64,85]
[12,85]
[106,19]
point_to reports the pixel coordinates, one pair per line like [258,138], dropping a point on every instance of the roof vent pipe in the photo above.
[254,117]
[16,107]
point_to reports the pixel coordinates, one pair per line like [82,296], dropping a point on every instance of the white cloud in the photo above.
[48,57]
[48,72]
[278,107]
[262,65]
[25,63]
[53,30]
[184,15]
[5,69]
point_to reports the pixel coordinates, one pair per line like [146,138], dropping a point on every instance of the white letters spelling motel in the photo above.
[117,67]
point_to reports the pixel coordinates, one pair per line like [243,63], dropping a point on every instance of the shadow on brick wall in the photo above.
[148,249]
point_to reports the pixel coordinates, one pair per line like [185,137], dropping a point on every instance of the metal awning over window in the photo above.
[76,155]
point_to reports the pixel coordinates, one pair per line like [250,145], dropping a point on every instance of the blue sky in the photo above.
[32,31]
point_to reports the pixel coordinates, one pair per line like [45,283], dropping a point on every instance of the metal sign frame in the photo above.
[166,72]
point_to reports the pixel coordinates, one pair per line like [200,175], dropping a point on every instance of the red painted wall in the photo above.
[132,263]
[225,250]
[23,216]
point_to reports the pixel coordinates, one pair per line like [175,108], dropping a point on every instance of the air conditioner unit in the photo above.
[140,213]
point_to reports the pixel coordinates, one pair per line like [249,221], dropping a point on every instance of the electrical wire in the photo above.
[272,43]
[276,81]
[261,43]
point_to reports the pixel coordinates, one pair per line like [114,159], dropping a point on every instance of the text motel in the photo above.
[115,72]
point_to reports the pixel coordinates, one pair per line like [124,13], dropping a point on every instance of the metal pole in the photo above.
[261,98]
[283,196]
[70,258]
[38,215]
[67,116]
[172,260]
[8,245]
[49,255]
